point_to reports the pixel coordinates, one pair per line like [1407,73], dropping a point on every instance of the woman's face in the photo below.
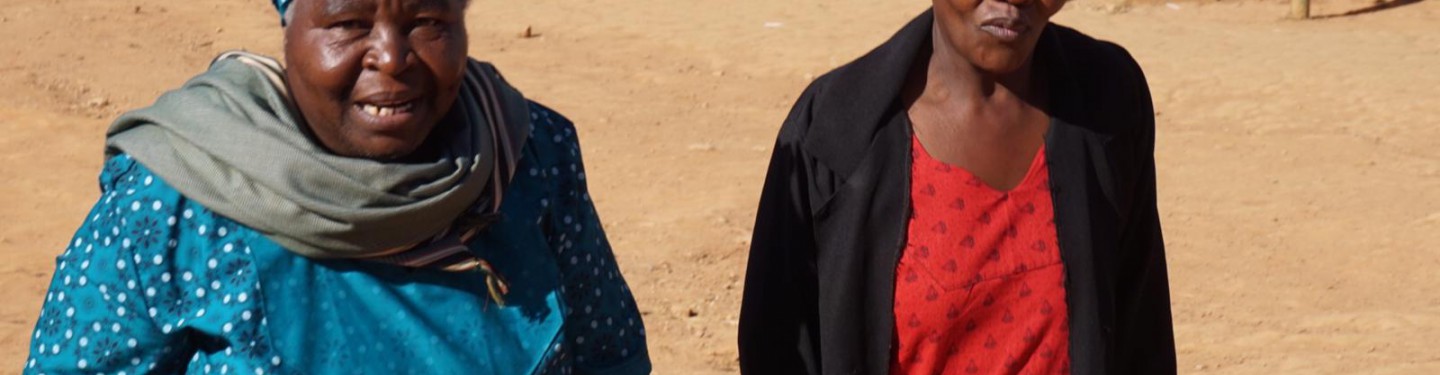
[373,77]
[998,36]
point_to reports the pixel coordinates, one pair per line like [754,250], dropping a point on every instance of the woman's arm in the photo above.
[603,327]
[1145,333]
[149,278]
[96,318]
[779,317]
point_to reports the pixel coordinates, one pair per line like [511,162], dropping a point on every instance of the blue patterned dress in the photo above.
[155,283]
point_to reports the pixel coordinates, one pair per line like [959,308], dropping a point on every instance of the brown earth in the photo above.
[1299,171]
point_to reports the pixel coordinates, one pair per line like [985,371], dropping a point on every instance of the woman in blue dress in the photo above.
[384,204]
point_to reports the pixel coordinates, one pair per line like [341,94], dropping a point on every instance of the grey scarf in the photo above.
[231,140]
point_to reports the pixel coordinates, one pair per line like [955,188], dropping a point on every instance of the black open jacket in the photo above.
[832,220]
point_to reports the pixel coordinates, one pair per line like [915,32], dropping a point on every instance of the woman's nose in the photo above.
[390,52]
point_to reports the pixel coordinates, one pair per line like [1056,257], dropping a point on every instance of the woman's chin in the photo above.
[364,140]
[1002,61]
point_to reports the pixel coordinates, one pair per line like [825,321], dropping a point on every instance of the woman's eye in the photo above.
[429,22]
[351,25]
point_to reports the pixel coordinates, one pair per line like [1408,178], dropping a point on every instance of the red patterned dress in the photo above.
[980,288]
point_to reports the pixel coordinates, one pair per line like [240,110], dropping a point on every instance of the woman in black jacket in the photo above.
[992,89]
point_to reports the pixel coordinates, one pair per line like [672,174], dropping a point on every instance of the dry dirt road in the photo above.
[1299,171]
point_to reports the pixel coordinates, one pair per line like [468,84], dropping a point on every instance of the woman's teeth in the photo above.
[385,111]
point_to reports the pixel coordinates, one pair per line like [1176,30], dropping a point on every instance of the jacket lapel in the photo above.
[1070,152]
[1079,172]
[862,98]
[860,133]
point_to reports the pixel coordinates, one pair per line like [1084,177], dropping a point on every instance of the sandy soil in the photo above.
[1299,167]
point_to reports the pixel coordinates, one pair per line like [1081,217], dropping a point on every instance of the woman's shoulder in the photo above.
[1095,59]
[139,219]
[123,179]
[548,121]
[1105,77]
[1076,41]
[138,210]
[844,108]
[553,139]
[551,164]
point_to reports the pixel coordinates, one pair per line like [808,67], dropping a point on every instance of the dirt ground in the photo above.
[1298,162]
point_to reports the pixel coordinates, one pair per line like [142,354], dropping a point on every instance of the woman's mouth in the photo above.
[387,116]
[386,110]
[1005,29]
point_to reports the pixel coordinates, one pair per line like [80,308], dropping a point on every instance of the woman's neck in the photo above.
[950,77]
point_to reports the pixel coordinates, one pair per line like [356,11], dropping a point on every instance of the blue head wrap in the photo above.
[282,6]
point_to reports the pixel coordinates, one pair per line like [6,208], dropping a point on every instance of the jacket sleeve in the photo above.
[779,316]
[605,329]
[1145,335]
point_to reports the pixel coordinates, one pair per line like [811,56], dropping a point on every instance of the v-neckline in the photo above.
[1036,162]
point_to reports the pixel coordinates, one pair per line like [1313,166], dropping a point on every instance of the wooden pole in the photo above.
[1300,9]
